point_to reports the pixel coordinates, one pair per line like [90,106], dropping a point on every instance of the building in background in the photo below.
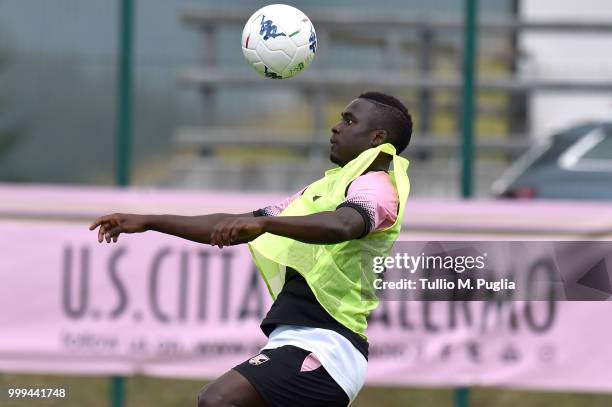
[580,57]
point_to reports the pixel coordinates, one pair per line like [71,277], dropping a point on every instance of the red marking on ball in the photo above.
[247,42]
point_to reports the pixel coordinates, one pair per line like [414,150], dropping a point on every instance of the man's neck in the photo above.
[380,163]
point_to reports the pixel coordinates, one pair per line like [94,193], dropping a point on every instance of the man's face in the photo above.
[354,133]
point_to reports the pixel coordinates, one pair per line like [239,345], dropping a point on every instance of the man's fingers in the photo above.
[222,239]
[115,231]
[225,232]
[224,235]
[215,240]
[213,237]
[101,233]
[218,237]
[99,221]
[229,232]
[234,235]
[95,224]
[236,231]
[109,228]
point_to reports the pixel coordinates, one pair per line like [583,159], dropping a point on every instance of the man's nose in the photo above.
[334,136]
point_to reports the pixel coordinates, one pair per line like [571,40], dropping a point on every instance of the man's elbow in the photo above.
[342,234]
[348,231]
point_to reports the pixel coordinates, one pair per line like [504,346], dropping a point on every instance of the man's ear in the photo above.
[378,137]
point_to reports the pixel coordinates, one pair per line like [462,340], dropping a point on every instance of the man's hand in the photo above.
[111,226]
[230,231]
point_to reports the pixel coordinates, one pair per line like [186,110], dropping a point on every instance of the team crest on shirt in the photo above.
[259,359]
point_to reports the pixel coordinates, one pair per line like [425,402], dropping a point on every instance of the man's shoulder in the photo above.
[379,181]
[379,175]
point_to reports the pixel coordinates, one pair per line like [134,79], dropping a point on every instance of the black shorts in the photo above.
[277,378]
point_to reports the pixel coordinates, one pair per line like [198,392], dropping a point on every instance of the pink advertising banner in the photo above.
[161,306]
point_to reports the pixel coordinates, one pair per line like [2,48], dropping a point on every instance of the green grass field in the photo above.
[146,392]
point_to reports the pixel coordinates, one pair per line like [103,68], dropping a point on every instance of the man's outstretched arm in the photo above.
[195,228]
[224,229]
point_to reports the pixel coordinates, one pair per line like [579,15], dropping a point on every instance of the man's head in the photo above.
[370,120]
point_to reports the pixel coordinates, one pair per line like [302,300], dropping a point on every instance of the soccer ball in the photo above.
[279,41]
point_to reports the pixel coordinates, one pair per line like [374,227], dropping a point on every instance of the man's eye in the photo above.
[348,121]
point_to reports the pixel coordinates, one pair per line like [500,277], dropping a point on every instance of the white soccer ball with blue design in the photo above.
[279,41]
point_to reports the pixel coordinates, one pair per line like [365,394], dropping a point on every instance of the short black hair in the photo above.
[395,118]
